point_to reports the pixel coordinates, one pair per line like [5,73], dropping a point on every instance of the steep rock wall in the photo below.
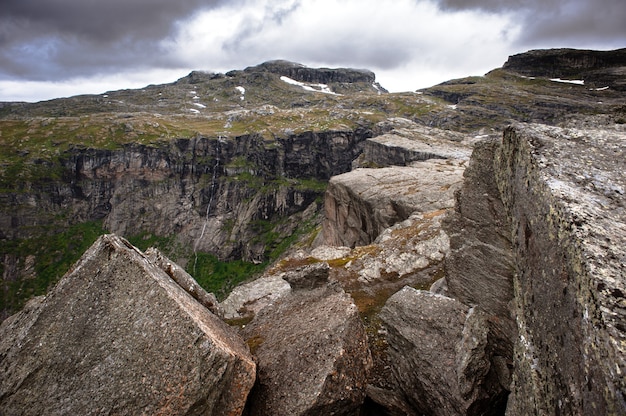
[600,68]
[564,192]
[170,187]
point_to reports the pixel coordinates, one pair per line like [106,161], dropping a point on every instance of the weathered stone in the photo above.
[479,373]
[423,330]
[360,204]
[184,280]
[118,336]
[408,142]
[440,287]
[309,277]
[403,249]
[564,191]
[248,299]
[385,402]
[326,253]
[480,266]
[312,355]
[439,355]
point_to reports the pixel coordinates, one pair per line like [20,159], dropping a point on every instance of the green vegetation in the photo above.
[51,258]
[220,277]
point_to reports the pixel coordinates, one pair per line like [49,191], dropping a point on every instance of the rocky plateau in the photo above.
[284,240]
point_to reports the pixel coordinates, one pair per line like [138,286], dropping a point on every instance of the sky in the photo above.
[60,48]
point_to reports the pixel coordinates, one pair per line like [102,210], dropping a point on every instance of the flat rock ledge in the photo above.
[360,204]
[118,336]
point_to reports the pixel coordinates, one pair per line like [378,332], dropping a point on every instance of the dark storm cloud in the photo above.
[252,26]
[566,22]
[52,38]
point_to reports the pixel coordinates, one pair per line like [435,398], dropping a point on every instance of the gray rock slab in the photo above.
[312,355]
[565,191]
[423,330]
[360,204]
[439,354]
[248,299]
[118,336]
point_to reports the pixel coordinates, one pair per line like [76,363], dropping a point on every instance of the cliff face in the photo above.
[178,187]
[315,75]
[597,68]
[564,191]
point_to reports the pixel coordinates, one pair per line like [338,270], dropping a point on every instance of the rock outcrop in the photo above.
[360,204]
[312,355]
[480,266]
[248,299]
[438,355]
[596,68]
[118,335]
[523,249]
[564,192]
[406,142]
[303,73]
[410,169]
[536,261]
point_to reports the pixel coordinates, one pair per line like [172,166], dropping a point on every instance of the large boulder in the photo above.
[249,298]
[312,355]
[118,336]
[438,352]
[360,204]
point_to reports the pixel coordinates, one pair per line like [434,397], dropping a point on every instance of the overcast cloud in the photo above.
[51,48]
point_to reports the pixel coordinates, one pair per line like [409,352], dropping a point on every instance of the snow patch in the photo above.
[452,106]
[199,105]
[193,110]
[569,81]
[242,90]
[309,87]
[599,89]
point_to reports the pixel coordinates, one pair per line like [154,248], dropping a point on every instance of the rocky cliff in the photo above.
[597,68]
[563,190]
[237,199]
[435,283]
